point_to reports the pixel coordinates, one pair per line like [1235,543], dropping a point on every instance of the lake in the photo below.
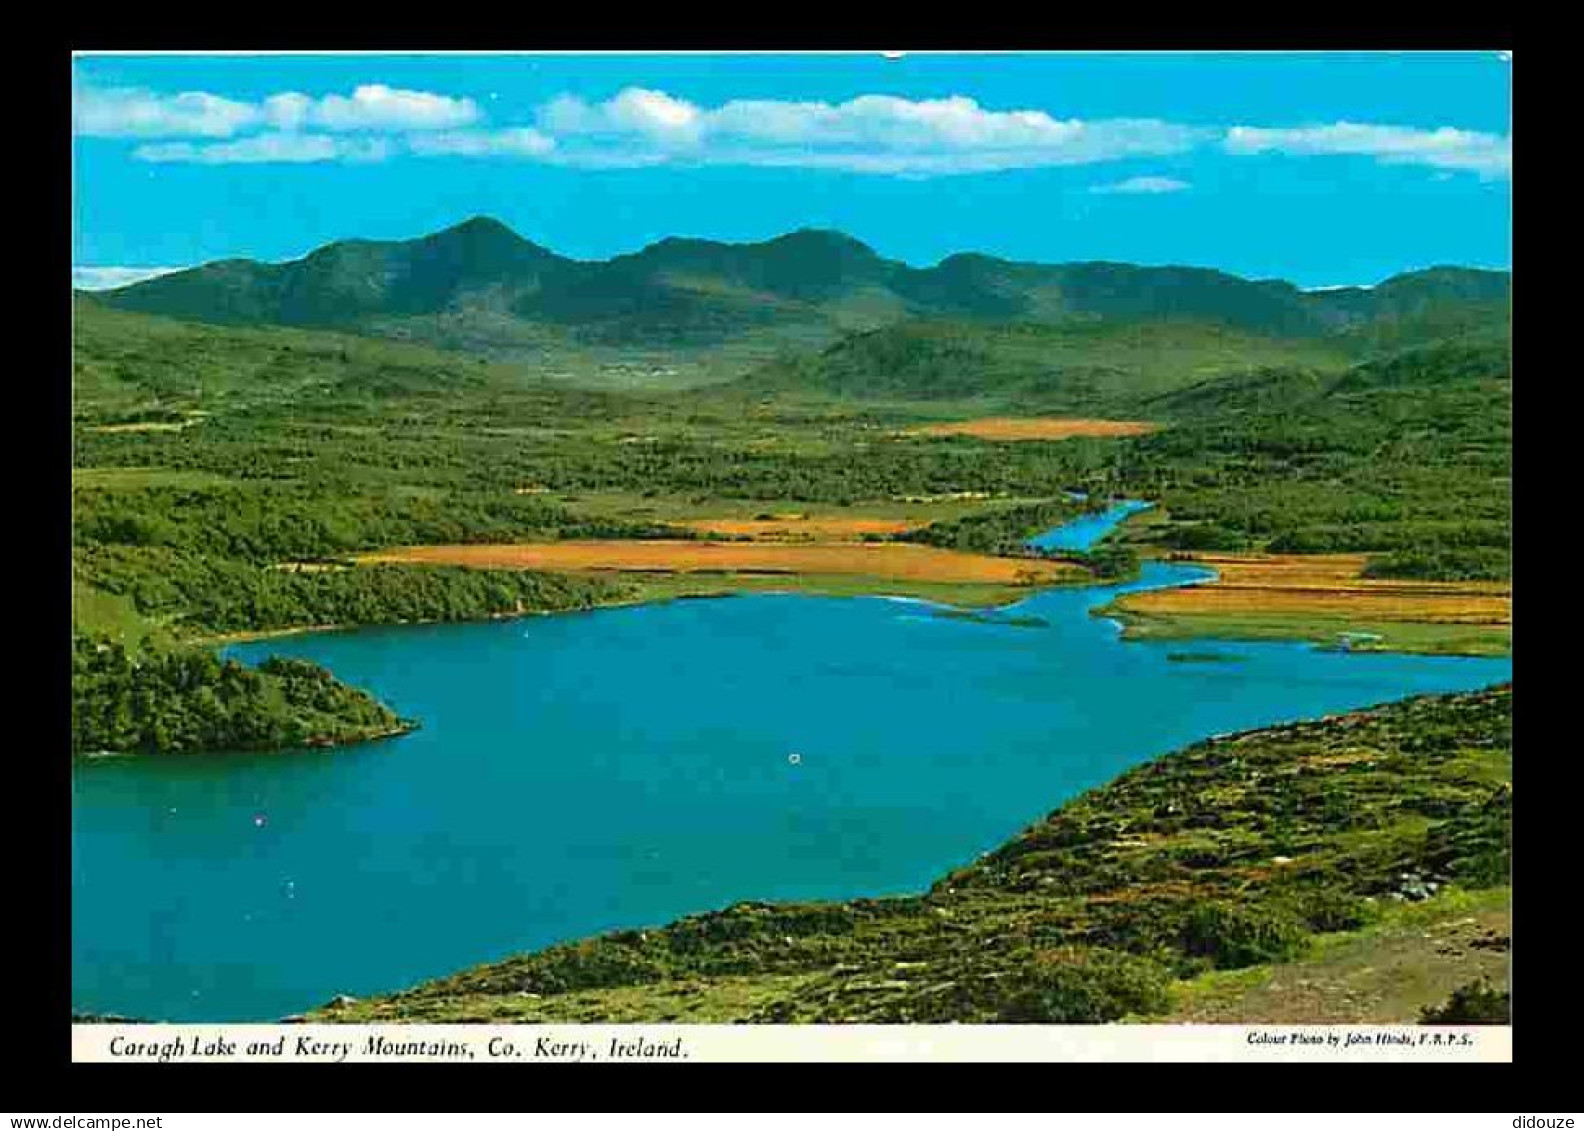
[619,768]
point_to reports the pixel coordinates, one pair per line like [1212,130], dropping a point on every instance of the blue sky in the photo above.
[1319,168]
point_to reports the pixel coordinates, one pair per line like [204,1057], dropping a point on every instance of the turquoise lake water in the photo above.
[1083,532]
[622,767]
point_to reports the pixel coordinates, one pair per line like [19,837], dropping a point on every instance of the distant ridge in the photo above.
[697,291]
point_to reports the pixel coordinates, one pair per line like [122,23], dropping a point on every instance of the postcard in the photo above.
[901,556]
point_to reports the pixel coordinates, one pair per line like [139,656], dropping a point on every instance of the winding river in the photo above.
[622,767]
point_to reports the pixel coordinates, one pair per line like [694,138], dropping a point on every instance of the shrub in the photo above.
[1098,987]
[590,965]
[1331,909]
[1477,1003]
[1232,937]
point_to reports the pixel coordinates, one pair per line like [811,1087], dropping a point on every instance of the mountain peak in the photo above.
[479,228]
[823,237]
[482,223]
[704,291]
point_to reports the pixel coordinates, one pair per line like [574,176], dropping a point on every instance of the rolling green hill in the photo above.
[1093,366]
[806,286]
[1408,454]
[1265,388]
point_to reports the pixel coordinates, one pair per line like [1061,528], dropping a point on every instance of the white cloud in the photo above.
[288,111]
[877,134]
[290,147]
[382,108]
[105,278]
[650,114]
[520,142]
[873,133]
[1146,186]
[125,112]
[281,147]
[1489,155]
[371,108]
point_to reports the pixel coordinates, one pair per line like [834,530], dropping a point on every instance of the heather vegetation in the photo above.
[1477,1003]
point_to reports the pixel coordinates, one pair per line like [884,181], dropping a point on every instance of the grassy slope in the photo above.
[307,443]
[1268,852]
[1415,956]
[1087,368]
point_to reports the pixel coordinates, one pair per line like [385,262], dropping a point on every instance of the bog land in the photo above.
[1326,598]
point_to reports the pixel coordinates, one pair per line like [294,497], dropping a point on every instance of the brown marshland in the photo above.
[1326,584]
[889,560]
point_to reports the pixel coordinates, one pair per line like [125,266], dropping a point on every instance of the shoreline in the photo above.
[406,727]
[734,587]
[988,895]
[1433,638]
[1139,614]
[652,588]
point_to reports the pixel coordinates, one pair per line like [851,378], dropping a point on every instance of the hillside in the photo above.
[1289,845]
[483,282]
[1408,454]
[1083,367]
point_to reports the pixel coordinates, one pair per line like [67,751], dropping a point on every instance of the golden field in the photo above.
[1327,585]
[883,560]
[1035,428]
[799,526]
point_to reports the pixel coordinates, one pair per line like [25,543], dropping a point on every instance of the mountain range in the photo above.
[812,284]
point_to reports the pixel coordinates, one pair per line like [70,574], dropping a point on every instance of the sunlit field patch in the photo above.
[1035,428]
[1328,583]
[799,527]
[1324,598]
[880,560]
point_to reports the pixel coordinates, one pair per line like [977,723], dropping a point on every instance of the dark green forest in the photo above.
[207,596]
[188,700]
